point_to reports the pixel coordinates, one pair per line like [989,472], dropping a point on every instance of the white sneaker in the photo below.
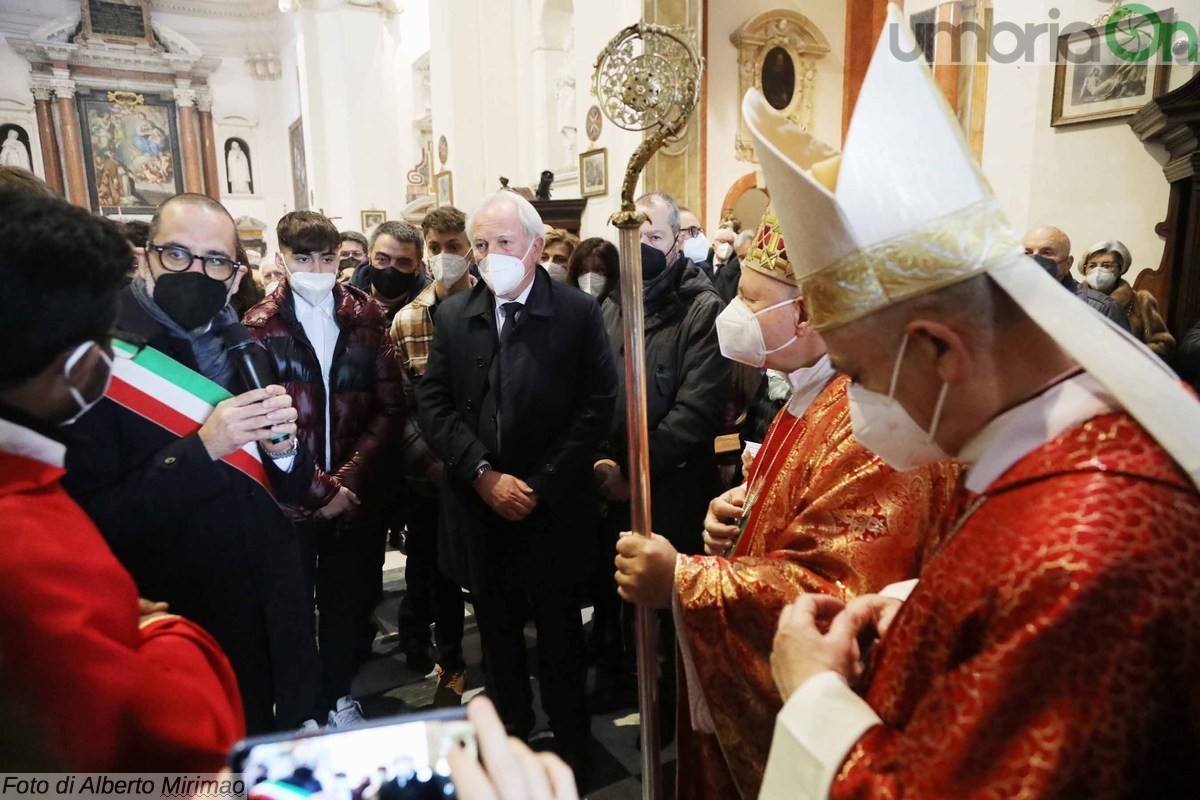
[310,726]
[348,712]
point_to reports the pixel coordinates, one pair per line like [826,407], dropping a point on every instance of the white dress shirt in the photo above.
[500,301]
[18,440]
[824,718]
[322,331]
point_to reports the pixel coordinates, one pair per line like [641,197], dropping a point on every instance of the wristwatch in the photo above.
[481,469]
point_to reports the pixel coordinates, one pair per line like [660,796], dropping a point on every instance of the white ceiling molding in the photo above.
[219,9]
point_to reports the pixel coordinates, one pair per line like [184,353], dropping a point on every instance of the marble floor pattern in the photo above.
[386,686]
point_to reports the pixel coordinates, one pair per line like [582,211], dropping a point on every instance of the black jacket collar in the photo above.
[540,302]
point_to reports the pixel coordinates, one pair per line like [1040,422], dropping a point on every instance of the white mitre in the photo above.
[905,211]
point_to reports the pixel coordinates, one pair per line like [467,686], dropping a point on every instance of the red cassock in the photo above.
[823,515]
[1052,647]
[104,695]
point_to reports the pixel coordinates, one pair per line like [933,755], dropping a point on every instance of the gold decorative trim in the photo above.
[124,98]
[932,256]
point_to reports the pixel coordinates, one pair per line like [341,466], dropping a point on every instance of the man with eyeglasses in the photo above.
[183,469]
[395,275]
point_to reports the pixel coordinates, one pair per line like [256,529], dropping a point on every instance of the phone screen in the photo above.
[404,757]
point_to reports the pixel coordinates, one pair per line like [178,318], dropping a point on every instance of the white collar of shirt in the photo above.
[18,440]
[304,307]
[808,382]
[521,298]
[1019,431]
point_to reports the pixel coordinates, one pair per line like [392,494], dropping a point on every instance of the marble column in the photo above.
[51,164]
[208,147]
[185,99]
[72,144]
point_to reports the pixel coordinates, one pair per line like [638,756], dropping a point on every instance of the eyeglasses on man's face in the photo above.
[175,258]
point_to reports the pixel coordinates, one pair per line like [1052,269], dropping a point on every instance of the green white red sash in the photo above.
[172,396]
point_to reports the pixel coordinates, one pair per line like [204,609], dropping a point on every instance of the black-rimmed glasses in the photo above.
[179,259]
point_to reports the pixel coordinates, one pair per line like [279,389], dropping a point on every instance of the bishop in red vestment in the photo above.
[1051,647]
[820,513]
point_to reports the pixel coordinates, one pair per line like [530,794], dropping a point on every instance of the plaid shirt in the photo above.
[412,331]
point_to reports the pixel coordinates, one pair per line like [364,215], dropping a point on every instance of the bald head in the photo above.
[1050,242]
[191,205]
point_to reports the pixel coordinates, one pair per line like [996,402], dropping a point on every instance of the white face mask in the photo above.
[502,273]
[271,287]
[1102,280]
[696,248]
[723,250]
[314,287]
[557,272]
[83,403]
[448,268]
[593,283]
[882,425]
[741,336]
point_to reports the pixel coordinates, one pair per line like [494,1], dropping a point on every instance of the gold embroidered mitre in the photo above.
[768,252]
[907,212]
[911,212]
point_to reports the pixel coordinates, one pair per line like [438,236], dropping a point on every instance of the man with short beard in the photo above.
[183,467]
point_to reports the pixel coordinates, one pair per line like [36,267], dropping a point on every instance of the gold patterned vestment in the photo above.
[822,515]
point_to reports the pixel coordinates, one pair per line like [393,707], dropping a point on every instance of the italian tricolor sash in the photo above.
[172,396]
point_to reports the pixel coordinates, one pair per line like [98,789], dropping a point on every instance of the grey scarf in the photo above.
[207,347]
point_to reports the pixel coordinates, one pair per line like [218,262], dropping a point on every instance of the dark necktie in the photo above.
[511,310]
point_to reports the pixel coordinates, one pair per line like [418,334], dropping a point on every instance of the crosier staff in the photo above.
[647,78]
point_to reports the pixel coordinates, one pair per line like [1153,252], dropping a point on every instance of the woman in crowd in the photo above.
[1104,266]
[595,267]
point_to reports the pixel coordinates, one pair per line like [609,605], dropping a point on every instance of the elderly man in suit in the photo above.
[518,392]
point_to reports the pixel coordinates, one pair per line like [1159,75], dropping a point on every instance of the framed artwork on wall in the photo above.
[1109,71]
[443,187]
[593,172]
[299,165]
[130,150]
[372,217]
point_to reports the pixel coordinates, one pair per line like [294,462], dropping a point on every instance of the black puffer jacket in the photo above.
[687,388]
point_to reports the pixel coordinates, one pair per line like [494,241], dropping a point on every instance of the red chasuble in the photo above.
[1052,647]
[823,515]
[102,694]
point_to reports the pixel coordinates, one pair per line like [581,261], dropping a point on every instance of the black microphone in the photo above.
[251,362]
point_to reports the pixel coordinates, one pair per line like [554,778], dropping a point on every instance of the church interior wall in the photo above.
[724,99]
[1094,180]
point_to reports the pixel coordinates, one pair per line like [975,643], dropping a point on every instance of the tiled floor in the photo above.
[386,685]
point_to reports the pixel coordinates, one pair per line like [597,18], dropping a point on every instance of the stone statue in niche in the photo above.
[566,100]
[13,151]
[237,166]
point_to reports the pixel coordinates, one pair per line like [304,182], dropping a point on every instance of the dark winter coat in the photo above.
[687,388]
[727,277]
[205,538]
[367,409]
[563,398]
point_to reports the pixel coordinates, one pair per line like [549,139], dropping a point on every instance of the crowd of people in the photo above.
[953,554]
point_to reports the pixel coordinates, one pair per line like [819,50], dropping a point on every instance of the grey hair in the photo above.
[1110,246]
[655,198]
[531,220]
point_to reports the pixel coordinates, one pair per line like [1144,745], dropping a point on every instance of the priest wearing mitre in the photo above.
[1052,645]
[818,513]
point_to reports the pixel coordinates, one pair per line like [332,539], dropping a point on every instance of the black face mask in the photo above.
[190,298]
[654,262]
[348,263]
[392,283]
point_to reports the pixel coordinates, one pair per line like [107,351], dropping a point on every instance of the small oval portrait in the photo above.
[778,78]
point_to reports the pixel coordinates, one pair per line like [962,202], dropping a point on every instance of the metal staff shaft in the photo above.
[633,316]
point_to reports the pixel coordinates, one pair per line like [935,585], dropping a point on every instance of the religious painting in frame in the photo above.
[593,172]
[299,165]
[443,187]
[130,150]
[371,217]
[1110,71]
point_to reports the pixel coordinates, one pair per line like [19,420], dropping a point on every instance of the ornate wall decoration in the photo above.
[778,53]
